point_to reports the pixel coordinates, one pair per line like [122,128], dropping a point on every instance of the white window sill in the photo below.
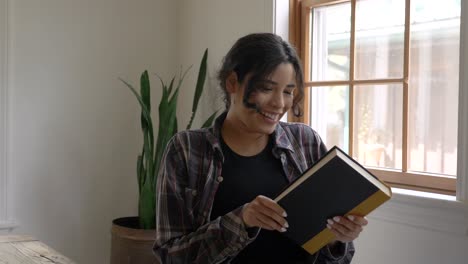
[419,194]
[429,211]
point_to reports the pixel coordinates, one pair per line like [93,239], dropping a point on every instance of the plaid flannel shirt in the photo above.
[187,182]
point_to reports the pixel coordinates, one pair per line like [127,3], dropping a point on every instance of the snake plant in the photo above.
[148,161]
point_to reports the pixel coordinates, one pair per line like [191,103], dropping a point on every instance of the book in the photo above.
[336,185]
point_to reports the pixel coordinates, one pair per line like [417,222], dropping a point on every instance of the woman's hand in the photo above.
[348,228]
[265,213]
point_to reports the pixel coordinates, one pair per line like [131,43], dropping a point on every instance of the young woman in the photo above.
[216,185]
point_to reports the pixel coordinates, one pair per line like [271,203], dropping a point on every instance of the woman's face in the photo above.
[273,98]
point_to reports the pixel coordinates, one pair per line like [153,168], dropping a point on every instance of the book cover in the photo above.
[336,185]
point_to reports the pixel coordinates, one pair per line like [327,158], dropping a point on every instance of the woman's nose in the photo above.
[278,100]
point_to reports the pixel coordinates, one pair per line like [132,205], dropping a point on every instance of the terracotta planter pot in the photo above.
[131,245]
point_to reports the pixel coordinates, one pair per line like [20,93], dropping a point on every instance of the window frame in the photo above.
[299,21]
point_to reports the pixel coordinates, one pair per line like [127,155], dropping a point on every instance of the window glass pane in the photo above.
[330,42]
[433,86]
[329,114]
[379,39]
[378,125]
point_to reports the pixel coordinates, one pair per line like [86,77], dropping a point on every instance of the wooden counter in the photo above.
[27,250]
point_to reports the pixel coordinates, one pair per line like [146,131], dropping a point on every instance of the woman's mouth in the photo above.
[270,116]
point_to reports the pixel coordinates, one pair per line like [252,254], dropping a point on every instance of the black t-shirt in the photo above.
[244,178]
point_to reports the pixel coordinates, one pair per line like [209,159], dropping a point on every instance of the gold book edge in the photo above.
[363,209]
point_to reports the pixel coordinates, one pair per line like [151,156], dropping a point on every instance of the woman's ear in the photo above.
[232,83]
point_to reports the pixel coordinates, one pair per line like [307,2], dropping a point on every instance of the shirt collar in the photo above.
[280,137]
[215,135]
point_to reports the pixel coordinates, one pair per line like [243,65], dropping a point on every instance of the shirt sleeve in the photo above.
[178,238]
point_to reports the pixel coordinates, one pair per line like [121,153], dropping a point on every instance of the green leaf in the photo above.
[167,123]
[146,113]
[171,85]
[145,90]
[140,172]
[146,98]
[147,157]
[210,120]
[199,88]
[163,85]
[200,81]
[146,207]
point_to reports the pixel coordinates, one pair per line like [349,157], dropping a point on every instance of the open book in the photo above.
[336,185]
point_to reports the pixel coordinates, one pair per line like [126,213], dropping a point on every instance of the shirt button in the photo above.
[194,192]
[220,179]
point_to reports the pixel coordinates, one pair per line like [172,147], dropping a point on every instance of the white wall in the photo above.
[3,100]
[385,242]
[73,127]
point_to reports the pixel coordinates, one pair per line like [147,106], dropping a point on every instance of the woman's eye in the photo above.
[288,92]
[265,89]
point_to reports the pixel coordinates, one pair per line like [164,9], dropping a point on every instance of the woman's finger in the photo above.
[270,209]
[342,237]
[339,235]
[359,220]
[266,212]
[347,223]
[343,233]
[268,223]
[269,217]
[257,213]
[347,228]
[272,205]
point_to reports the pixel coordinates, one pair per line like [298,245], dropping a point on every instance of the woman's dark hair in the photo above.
[258,55]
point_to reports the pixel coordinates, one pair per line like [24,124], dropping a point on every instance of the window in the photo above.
[382,82]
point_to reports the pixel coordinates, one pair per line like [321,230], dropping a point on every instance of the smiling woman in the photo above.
[216,186]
